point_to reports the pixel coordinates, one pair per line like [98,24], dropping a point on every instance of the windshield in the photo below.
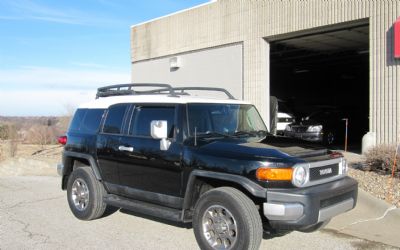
[227,119]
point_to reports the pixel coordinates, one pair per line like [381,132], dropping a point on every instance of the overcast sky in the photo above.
[55,54]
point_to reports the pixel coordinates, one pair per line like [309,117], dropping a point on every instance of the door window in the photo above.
[142,117]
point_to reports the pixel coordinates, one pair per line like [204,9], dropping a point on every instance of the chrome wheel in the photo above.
[219,227]
[80,194]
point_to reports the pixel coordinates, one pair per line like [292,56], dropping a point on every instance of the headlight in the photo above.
[314,128]
[300,176]
[288,128]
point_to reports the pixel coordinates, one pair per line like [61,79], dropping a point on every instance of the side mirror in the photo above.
[159,130]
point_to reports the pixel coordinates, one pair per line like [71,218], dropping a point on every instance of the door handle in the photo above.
[123,148]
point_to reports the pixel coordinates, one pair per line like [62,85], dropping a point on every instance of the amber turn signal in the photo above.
[274,174]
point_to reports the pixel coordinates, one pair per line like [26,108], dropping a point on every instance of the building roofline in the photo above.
[174,13]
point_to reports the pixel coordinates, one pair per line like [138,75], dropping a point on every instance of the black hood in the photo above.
[271,147]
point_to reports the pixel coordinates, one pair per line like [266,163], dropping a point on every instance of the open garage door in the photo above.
[323,78]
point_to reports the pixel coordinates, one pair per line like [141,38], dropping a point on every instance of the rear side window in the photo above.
[86,120]
[142,117]
[77,120]
[114,119]
[92,120]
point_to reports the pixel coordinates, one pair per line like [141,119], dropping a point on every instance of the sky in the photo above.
[55,54]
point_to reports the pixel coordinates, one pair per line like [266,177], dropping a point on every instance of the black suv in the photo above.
[163,152]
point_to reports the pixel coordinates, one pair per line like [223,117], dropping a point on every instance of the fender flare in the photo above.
[252,187]
[88,157]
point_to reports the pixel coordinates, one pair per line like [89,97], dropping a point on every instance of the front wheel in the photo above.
[85,194]
[225,218]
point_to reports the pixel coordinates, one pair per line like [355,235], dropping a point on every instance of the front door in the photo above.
[145,171]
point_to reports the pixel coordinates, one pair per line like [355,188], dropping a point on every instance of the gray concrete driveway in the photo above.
[34,214]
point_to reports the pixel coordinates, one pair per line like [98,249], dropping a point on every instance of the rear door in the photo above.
[145,171]
[108,142]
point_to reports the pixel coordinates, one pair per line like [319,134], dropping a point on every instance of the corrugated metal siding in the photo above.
[229,21]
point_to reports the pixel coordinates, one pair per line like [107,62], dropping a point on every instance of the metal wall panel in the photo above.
[250,22]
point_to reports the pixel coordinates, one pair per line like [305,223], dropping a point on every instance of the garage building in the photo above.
[311,52]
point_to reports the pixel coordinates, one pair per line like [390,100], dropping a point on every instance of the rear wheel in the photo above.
[225,218]
[85,194]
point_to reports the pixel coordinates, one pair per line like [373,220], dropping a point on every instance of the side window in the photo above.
[92,120]
[77,120]
[115,116]
[142,117]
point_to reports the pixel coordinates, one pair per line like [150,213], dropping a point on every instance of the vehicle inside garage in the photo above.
[325,73]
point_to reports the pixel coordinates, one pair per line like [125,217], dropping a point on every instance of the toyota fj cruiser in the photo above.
[211,162]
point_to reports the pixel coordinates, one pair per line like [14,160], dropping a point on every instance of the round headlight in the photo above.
[299,176]
[288,128]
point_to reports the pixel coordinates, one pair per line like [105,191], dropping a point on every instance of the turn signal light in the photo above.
[274,174]
[62,140]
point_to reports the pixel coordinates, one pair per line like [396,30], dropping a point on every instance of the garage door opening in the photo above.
[323,78]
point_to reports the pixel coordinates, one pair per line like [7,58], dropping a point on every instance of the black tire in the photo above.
[93,207]
[239,213]
[315,227]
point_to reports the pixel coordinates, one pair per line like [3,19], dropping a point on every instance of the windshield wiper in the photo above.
[212,135]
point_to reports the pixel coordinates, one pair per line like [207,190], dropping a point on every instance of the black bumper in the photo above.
[308,206]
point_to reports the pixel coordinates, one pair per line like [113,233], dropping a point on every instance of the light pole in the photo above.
[345,136]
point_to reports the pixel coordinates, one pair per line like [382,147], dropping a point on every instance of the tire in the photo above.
[315,227]
[228,218]
[85,194]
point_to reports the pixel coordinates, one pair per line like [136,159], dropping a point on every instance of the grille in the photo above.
[299,129]
[323,172]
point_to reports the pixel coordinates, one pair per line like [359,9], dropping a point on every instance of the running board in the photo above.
[144,208]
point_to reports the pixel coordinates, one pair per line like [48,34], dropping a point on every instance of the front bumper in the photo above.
[307,136]
[302,208]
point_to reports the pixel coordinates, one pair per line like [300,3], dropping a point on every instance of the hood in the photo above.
[272,148]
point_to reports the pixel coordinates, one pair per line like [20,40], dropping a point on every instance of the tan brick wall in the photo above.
[250,21]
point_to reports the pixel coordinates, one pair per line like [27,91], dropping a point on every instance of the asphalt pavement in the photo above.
[34,214]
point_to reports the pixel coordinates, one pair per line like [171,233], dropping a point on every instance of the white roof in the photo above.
[105,102]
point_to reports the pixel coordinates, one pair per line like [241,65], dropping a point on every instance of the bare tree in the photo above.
[13,139]
[65,119]
[41,134]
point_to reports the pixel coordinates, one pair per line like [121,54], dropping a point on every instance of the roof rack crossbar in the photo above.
[182,89]
[130,89]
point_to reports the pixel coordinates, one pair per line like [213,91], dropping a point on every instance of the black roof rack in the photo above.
[182,91]
[160,88]
[130,89]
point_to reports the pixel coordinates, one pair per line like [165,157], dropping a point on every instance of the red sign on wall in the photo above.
[396,28]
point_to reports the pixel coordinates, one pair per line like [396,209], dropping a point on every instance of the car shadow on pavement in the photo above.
[154,218]
[267,235]
[110,210]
